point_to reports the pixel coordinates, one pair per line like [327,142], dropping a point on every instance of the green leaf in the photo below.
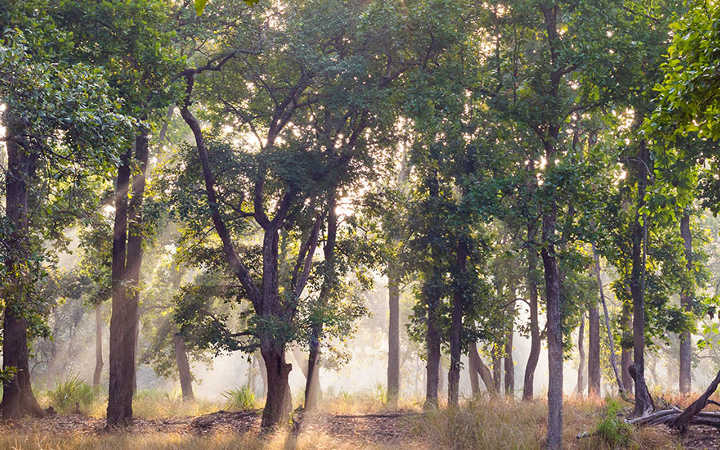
[200,6]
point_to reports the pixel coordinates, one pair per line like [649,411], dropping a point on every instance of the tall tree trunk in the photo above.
[393,270]
[312,382]
[393,367]
[431,296]
[127,258]
[183,367]
[509,364]
[18,398]
[611,339]
[686,303]
[456,324]
[531,279]
[580,388]
[98,345]
[626,355]
[643,401]
[594,351]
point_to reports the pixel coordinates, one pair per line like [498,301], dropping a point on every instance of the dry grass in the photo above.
[484,423]
[500,423]
[178,441]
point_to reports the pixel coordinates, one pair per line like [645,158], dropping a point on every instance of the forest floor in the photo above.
[485,423]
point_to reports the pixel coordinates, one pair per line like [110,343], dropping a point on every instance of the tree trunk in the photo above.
[278,403]
[626,355]
[127,258]
[497,369]
[580,388]
[312,382]
[482,369]
[686,303]
[183,367]
[643,402]
[98,346]
[509,364]
[456,325]
[531,279]
[393,367]
[594,351]
[473,370]
[18,398]
[433,355]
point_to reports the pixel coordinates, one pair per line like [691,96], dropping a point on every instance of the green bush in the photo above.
[614,430]
[240,399]
[70,395]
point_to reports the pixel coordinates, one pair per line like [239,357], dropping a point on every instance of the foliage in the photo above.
[613,430]
[239,399]
[70,395]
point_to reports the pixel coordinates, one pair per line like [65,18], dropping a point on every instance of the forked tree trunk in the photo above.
[594,351]
[482,369]
[98,346]
[393,368]
[183,366]
[509,364]
[531,280]
[685,381]
[18,399]
[127,258]
[473,375]
[580,388]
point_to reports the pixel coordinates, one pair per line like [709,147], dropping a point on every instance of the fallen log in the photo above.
[681,422]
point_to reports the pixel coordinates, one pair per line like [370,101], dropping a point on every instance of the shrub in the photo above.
[614,430]
[240,399]
[71,394]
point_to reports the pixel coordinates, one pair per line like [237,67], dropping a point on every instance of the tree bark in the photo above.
[456,324]
[278,403]
[482,369]
[432,342]
[127,258]
[18,398]
[611,340]
[98,346]
[643,402]
[580,388]
[393,367]
[531,279]
[594,351]
[183,366]
[312,382]
[509,364]
[497,369]
[473,370]
[626,355]
[685,381]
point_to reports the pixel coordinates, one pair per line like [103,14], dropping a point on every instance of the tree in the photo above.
[62,122]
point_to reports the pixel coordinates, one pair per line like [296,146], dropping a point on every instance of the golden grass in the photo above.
[483,423]
[501,423]
[176,441]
